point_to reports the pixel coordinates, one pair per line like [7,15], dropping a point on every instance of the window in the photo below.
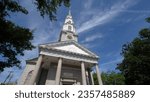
[28,77]
[69,28]
[69,22]
[69,37]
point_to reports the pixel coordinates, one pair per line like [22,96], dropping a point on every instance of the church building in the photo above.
[65,62]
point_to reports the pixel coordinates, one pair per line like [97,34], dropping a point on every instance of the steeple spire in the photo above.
[68,31]
[69,13]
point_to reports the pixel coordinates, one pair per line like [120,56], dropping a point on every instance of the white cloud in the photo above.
[110,65]
[87,4]
[103,17]
[87,41]
[89,45]
[135,11]
[92,38]
[112,62]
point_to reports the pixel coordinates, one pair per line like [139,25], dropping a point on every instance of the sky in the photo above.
[103,26]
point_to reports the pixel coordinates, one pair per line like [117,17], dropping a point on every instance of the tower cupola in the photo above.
[68,31]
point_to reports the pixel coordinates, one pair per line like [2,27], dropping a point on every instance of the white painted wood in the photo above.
[89,60]
[83,73]
[58,72]
[71,48]
[98,75]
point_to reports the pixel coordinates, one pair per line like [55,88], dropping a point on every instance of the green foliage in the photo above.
[95,79]
[148,19]
[14,40]
[45,7]
[7,6]
[49,7]
[136,63]
[110,78]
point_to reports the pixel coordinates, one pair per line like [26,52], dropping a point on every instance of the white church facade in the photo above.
[65,62]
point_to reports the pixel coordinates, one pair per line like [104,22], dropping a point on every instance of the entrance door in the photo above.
[43,76]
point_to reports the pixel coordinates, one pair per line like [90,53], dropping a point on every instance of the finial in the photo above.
[69,11]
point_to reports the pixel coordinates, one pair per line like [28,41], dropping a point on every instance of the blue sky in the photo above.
[103,27]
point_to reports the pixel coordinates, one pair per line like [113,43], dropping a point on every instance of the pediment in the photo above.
[70,47]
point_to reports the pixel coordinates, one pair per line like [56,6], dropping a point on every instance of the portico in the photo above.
[68,72]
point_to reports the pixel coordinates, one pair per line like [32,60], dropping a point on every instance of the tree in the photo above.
[136,63]
[110,78]
[14,39]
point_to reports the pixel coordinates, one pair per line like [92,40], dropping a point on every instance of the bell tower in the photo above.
[68,31]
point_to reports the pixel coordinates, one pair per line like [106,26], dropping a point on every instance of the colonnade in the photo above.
[58,72]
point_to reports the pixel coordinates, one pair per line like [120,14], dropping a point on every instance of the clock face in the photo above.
[69,22]
[69,37]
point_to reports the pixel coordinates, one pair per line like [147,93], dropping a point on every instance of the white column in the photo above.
[58,72]
[83,73]
[90,77]
[87,77]
[92,80]
[98,75]
[36,71]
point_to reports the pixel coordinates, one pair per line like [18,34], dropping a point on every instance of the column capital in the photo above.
[96,64]
[82,62]
[60,58]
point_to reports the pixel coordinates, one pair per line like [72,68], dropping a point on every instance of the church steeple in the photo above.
[69,12]
[68,31]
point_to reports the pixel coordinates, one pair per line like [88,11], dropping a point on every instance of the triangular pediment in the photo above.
[70,47]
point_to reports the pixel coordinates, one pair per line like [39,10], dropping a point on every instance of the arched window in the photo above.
[69,22]
[69,28]
[28,77]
